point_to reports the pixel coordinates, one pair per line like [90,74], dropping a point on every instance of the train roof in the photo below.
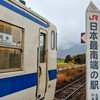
[28,10]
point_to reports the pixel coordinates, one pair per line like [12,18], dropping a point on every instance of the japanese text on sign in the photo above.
[94,83]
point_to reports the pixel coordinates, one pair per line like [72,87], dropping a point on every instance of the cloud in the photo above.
[67,15]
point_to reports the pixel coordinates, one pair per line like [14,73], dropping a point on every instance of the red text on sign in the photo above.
[93,17]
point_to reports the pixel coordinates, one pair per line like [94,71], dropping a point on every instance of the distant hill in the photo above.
[76,49]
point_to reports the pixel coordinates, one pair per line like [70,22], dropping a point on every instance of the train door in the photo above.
[42,68]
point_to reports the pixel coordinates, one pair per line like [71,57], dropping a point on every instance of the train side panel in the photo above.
[24,84]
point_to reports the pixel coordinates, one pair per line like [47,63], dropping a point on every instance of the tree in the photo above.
[80,59]
[68,59]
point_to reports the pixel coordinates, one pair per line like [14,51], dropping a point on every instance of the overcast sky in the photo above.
[67,15]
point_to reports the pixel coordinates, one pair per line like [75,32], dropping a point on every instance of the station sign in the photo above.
[93,52]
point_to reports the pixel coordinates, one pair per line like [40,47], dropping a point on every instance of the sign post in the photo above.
[93,52]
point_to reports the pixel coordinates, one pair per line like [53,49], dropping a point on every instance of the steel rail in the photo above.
[69,85]
[74,92]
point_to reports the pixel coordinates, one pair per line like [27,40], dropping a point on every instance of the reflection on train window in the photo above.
[42,47]
[10,47]
[52,40]
[10,35]
[10,58]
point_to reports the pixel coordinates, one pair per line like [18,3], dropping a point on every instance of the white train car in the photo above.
[27,54]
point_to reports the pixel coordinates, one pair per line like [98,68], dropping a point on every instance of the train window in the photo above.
[10,35]
[52,40]
[42,47]
[56,41]
[10,47]
[10,58]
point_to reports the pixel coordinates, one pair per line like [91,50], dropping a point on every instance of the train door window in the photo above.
[42,47]
[10,47]
[52,40]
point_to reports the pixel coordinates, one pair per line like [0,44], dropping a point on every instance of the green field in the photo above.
[62,64]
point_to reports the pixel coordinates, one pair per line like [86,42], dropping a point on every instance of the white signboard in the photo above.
[5,38]
[93,52]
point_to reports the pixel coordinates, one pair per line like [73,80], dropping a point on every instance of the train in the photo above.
[28,50]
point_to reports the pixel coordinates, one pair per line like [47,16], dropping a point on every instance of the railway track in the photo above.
[67,92]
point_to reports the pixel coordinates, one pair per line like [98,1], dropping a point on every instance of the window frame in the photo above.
[20,48]
[53,40]
[56,40]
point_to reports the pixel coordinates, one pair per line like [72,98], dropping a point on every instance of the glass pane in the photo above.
[52,40]
[42,47]
[56,41]
[10,58]
[10,35]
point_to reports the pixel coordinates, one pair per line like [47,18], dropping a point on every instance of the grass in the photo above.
[66,76]
[62,64]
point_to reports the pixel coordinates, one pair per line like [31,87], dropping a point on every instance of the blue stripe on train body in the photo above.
[52,74]
[17,83]
[24,14]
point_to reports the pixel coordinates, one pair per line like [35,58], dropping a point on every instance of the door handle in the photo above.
[40,71]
